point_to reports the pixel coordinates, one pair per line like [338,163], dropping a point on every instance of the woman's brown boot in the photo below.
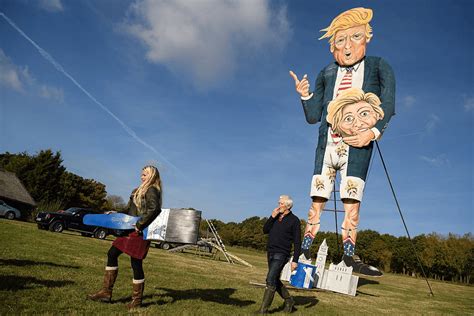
[137,294]
[105,294]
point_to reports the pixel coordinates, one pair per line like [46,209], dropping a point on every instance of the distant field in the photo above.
[49,273]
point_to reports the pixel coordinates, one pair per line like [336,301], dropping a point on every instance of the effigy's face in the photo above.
[357,118]
[350,45]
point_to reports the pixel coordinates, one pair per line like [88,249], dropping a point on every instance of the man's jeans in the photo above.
[276,263]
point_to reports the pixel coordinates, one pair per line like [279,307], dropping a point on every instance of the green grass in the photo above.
[49,273]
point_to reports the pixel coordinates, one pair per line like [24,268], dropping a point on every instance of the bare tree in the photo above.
[115,202]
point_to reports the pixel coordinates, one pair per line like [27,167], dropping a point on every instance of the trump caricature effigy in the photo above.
[353,99]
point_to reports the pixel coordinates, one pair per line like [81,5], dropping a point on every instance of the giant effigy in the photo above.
[353,99]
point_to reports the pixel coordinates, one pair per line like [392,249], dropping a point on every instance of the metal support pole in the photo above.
[335,219]
[403,220]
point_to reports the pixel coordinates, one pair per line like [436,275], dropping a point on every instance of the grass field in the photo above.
[49,273]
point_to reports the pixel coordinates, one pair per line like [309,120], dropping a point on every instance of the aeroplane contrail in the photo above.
[60,68]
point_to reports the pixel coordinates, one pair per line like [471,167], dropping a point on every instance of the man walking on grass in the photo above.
[284,229]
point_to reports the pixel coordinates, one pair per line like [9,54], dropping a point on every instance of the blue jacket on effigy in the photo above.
[378,79]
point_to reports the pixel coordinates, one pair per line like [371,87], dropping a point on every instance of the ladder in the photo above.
[219,241]
[335,210]
[197,247]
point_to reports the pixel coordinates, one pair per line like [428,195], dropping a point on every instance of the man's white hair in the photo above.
[287,200]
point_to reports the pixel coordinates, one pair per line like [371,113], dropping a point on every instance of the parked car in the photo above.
[71,219]
[9,212]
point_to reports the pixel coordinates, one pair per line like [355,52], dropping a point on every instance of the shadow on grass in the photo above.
[363,281]
[15,283]
[366,294]
[145,300]
[300,303]
[23,263]
[221,296]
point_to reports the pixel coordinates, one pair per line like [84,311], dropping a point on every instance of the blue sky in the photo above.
[201,88]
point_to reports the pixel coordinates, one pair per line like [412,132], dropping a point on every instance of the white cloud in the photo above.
[469,104]
[10,78]
[203,39]
[19,79]
[49,92]
[10,75]
[51,5]
[408,101]
[432,123]
[438,161]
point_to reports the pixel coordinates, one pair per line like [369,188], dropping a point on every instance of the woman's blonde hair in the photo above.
[346,20]
[153,180]
[348,97]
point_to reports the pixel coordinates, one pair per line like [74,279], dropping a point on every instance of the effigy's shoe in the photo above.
[359,267]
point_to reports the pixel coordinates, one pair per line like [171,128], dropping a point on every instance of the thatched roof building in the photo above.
[12,189]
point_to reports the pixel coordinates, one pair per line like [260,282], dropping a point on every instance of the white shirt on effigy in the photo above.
[357,77]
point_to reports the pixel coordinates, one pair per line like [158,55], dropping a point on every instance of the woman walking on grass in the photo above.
[145,202]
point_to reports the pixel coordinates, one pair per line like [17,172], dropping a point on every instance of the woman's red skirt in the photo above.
[133,245]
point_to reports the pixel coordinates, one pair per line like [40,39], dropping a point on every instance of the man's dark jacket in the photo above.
[282,234]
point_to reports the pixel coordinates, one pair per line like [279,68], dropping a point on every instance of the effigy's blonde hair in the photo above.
[153,180]
[348,19]
[348,97]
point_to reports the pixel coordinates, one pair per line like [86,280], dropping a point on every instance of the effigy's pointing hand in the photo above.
[302,86]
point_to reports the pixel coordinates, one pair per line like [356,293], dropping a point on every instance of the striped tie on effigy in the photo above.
[345,84]
[346,81]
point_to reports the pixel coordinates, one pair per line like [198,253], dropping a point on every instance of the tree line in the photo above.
[447,258]
[52,186]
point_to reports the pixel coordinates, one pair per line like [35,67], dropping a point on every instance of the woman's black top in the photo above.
[150,209]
